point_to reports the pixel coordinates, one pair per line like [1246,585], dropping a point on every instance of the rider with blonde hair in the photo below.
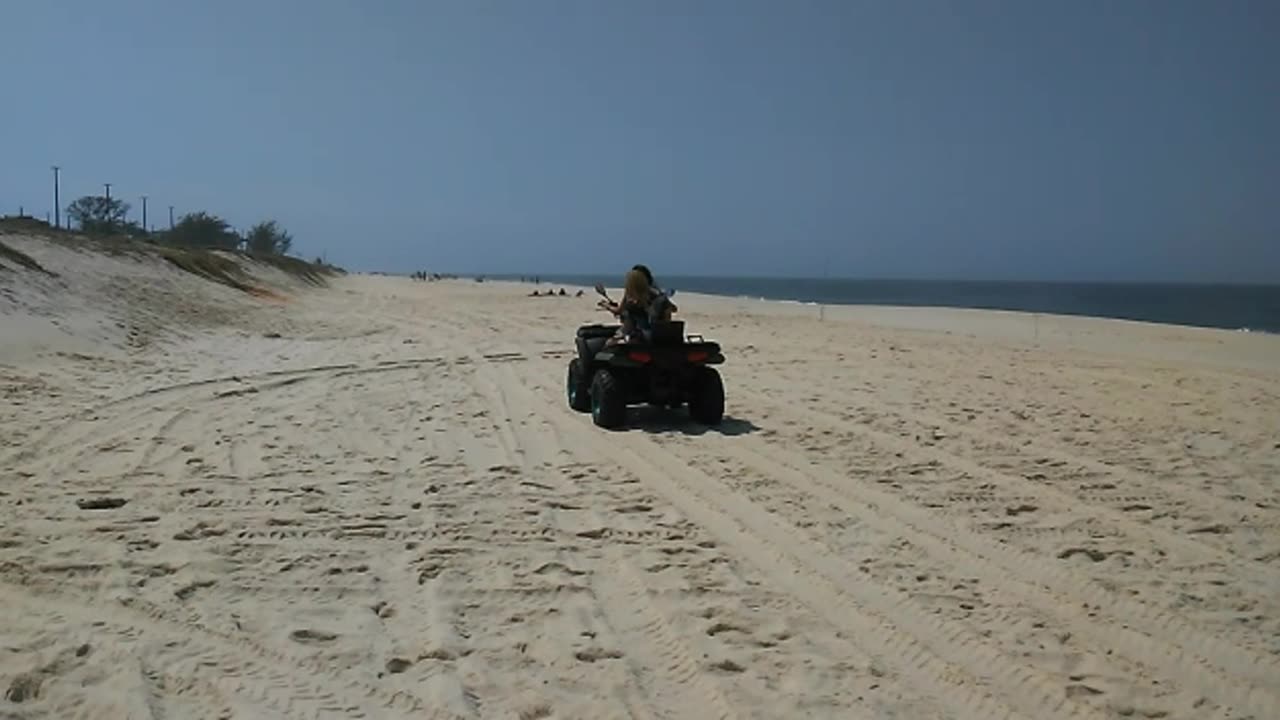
[642,304]
[633,309]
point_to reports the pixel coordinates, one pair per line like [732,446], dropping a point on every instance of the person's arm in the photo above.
[621,305]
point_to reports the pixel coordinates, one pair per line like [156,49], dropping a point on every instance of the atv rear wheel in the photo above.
[706,402]
[608,406]
[578,387]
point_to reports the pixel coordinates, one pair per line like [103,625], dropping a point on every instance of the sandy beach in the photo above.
[371,500]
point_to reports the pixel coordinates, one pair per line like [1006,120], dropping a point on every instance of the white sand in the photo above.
[388,511]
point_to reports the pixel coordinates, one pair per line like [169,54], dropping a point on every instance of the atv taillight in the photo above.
[640,357]
[697,357]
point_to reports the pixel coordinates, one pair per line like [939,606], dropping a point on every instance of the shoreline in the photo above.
[1017,324]
[924,306]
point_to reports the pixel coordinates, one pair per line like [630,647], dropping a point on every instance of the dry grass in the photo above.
[301,269]
[27,226]
[206,264]
[218,266]
[21,259]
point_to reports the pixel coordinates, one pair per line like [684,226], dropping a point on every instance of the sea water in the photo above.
[1236,307]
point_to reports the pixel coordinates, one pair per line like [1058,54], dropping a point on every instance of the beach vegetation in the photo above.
[100,215]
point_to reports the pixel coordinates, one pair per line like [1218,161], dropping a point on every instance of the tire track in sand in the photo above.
[946,662]
[247,671]
[420,618]
[537,447]
[1264,580]
[1143,634]
[620,594]
[51,441]
[1146,636]
[1165,494]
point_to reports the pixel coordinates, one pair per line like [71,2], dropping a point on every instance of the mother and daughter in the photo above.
[643,303]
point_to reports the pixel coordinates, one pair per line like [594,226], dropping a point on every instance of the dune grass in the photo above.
[219,266]
[308,272]
[206,264]
[21,259]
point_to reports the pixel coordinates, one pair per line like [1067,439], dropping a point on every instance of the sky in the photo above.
[1069,140]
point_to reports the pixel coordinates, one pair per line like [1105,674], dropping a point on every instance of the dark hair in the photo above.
[644,271]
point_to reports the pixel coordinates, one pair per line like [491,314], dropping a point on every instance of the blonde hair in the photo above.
[636,288]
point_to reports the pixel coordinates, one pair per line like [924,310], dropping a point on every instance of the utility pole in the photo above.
[144,213]
[170,217]
[57,204]
[108,187]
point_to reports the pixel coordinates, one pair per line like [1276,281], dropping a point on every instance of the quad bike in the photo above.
[669,370]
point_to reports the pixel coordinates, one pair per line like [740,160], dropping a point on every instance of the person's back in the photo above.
[660,308]
[656,296]
[633,310]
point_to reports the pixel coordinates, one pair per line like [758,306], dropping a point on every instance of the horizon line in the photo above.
[846,278]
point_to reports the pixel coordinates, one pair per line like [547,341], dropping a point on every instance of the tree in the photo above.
[98,214]
[268,238]
[200,229]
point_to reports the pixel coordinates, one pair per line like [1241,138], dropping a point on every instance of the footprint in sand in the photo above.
[722,627]
[308,636]
[1091,553]
[595,654]
[101,503]
[535,712]
[395,666]
[190,589]
[727,666]
[559,568]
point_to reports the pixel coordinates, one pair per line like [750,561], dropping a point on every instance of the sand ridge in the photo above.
[373,501]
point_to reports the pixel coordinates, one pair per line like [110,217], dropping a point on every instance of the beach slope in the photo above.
[371,500]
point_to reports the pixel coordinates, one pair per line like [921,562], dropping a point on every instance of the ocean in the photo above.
[1253,308]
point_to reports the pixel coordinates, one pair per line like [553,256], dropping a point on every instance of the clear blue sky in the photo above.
[1130,139]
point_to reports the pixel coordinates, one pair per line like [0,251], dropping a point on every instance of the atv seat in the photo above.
[666,333]
[590,332]
[592,338]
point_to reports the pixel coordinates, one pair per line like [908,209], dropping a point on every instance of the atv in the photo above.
[668,370]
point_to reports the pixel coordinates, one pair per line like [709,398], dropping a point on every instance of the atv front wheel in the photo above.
[706,402]
[608,406]
[578,387]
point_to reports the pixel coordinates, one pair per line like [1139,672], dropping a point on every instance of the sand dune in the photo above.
[372,501]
